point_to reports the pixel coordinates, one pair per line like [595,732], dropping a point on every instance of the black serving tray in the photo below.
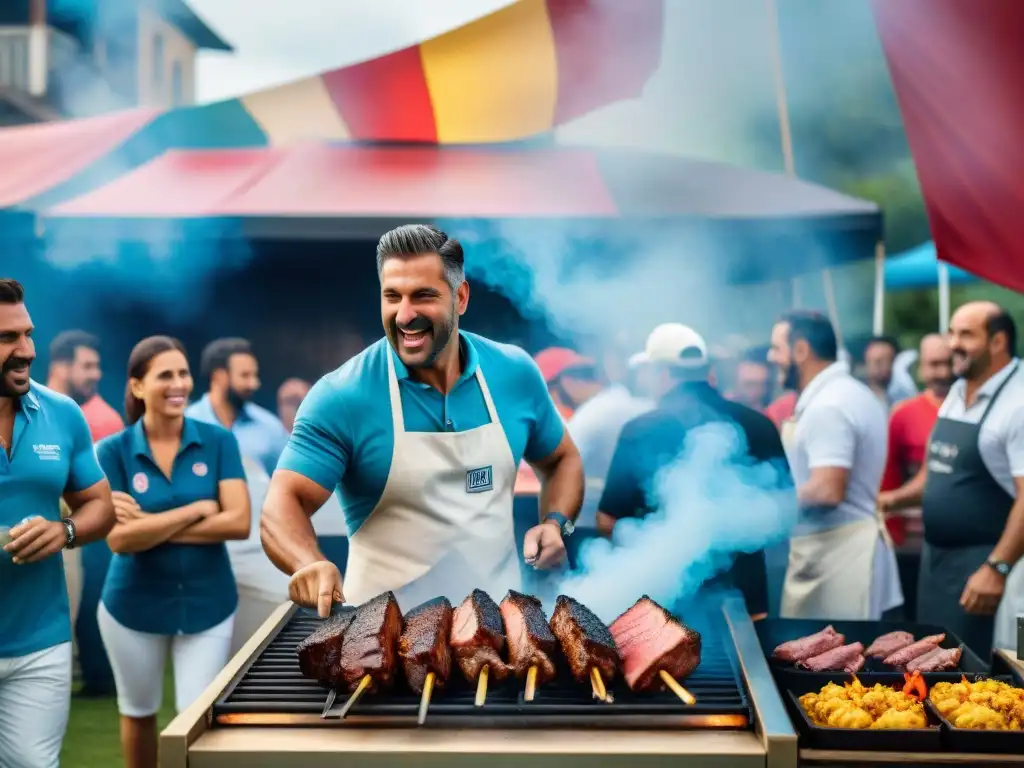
[989,742]
[774,632]
[860,739]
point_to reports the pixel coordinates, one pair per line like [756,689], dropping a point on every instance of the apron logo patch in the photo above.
[479,480]
[199,469]
[140,482]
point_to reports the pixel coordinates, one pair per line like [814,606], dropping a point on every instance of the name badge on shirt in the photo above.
[479,480]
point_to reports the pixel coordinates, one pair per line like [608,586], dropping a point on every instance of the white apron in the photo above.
[830,573]
[444,524]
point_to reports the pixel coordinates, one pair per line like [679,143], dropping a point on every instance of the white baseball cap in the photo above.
[673,344]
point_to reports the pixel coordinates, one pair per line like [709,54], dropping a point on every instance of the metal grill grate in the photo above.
[272,691]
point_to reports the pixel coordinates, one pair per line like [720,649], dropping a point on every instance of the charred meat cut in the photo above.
[812,645]
[370,644]
[478,637]
[585,640]
[887,644]
[423,645]
[650,640]
[904,656]
[845,657]
[530,641]
[320,653]
[939,660]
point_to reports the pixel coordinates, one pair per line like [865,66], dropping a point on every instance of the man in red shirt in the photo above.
[910,425]
[75,372]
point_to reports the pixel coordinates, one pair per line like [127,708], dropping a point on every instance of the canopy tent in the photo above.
[920,268]
[956,70]
[773,225]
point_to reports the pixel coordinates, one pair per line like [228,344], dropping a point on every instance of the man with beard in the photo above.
[233,373]
[421,434]
[841,560]
[46,454]
[973,497]
[910,425]
[75,372]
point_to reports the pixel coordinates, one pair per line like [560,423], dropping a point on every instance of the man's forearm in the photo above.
[93,520]
[561,487]
[911,493]
[1011,544]
[287,534]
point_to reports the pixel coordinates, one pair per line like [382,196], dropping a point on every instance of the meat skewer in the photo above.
[320,653]
[423,649]
[531,644]
[477,640]
[369,648]
[587,644]
[655,648]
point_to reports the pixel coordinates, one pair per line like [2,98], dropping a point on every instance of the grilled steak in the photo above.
[812,645]
[478,637]
[844,657]
[649,640]
[423,646]
[585,640]
[904,656]
[530,642]
[370,644]
[939,660]
[886,645]
[320,653]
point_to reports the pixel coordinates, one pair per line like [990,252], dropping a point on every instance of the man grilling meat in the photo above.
[654,440]
[421,434]
[973,497]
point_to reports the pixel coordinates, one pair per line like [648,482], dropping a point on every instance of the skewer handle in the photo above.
[531,683]
[684,695]
[428,689]
[481,686]
[597,683]
[363,685]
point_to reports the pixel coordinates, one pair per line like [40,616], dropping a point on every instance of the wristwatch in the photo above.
[1000,567]
[70,534]
[565,525]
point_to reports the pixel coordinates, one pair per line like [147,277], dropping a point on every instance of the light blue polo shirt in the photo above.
[51,453]
[173,588]
[260,434]
[343,435]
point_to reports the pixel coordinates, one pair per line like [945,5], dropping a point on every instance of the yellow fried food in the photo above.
[982,705]
[849,716]
[854,705]
[895,719]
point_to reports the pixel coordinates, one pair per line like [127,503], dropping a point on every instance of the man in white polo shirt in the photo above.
[973,500]
[841,561]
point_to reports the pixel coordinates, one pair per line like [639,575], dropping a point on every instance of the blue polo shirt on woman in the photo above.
[344,435]
[172,589]
[51,452]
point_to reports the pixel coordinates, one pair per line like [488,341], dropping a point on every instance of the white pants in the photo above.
[35,697]
[138,660]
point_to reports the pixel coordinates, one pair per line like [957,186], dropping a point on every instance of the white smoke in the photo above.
[712,503]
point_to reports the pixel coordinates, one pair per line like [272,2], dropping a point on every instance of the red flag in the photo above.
[958,71]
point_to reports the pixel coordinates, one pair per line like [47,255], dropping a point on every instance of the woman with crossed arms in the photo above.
[179,494]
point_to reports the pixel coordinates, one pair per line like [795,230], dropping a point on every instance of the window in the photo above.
[177,86]
[158,61]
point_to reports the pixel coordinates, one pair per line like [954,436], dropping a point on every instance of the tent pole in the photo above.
[788,158]
[943,297]
[878,324]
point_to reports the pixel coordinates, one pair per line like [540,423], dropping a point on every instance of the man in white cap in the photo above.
[678,359]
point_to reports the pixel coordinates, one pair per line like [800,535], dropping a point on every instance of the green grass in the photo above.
[93,739]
